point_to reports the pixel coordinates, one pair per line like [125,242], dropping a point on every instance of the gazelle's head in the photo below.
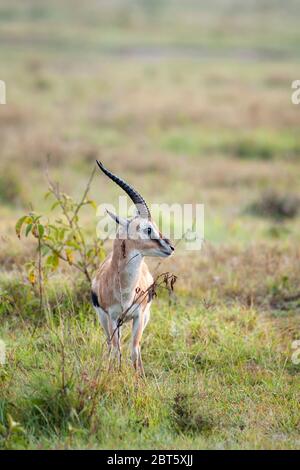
[141,231]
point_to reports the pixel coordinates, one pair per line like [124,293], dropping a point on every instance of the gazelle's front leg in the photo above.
[115,336]
[137,332]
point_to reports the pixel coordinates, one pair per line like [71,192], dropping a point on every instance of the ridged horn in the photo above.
[136,198]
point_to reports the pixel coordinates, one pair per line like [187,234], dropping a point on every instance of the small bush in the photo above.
[64,240]
[11,188]
[249,149]
[12,434]
[188,416]
[276,206]
[48,410]
[17,298]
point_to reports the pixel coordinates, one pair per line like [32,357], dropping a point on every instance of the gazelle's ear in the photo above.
[119,220]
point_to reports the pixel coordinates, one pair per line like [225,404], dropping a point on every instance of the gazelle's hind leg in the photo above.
[103,318]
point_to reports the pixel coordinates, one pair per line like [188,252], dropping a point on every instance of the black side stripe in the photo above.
[95,299]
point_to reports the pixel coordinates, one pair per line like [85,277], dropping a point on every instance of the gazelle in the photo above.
[124,274]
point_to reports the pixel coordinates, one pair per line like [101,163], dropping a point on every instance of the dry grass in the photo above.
[225,274]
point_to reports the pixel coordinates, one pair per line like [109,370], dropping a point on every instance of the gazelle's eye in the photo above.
[149,231]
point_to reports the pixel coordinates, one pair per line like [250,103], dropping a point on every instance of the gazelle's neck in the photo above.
[127,262]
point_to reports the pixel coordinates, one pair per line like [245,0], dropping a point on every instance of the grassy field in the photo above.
[191,104]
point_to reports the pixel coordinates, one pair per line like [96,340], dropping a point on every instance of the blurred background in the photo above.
[190,101]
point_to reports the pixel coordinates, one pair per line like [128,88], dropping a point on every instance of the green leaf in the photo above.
[20,224]
[53,261]
[28,229]
[62,234]
[73,244]
[45,250]
[57,203]
[12,424]
[41,231]
[92,203]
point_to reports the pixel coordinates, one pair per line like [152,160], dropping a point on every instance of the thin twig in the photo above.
[87,189]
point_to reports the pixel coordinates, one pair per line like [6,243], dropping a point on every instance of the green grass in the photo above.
[256,145]
[220,380]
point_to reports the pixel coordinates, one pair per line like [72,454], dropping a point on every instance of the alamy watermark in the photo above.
[2,92]
[176,221]
[296,94]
